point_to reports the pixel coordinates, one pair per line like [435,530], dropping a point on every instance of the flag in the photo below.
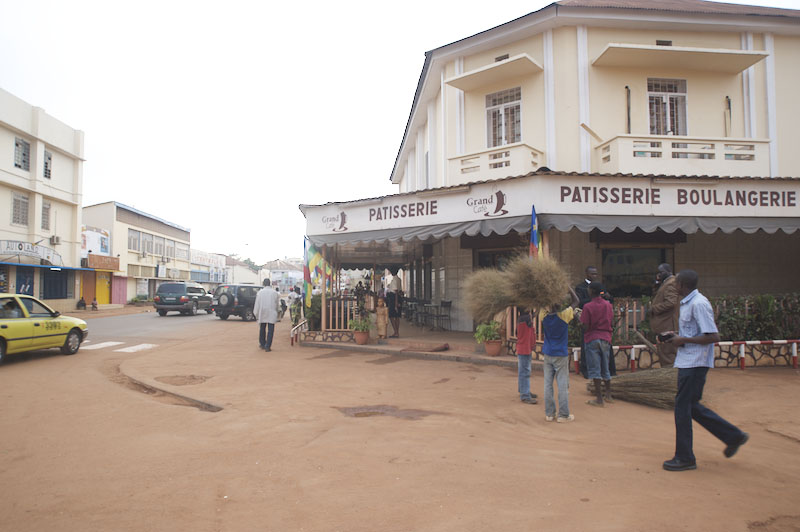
[533,251]
[306,275]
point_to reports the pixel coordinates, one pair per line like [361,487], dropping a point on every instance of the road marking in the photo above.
[135,348]
[101,345]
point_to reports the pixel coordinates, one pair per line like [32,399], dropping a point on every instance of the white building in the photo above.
[150,250]
[41,186]
[208,269]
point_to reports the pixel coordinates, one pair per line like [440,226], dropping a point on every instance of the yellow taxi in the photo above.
[27,324]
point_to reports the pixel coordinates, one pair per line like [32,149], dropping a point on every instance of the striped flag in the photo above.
[533,251]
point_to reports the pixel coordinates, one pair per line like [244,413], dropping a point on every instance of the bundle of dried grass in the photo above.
[487,294]
[536,284]
[651,387]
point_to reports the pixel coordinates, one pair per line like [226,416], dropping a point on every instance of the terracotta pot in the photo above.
[361,337]
[493,347]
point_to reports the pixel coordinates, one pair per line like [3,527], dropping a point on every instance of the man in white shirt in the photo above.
[266,309]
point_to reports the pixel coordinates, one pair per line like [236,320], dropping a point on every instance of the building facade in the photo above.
[41,187]
[208,269]
[150,250]
[615,121]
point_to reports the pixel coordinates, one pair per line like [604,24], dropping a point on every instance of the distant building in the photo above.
[208,269]
[238,271]
[41,186]
[150,250]
[284,274]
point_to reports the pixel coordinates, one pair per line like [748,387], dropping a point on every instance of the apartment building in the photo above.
[150,250]
[640,132]
[41,186]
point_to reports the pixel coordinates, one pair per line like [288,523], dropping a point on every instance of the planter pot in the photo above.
[361,337]
[493,347]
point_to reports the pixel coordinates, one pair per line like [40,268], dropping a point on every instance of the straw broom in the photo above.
[651,387]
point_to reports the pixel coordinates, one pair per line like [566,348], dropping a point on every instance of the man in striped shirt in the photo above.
[695,339]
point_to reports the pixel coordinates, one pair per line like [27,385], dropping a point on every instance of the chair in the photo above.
[443,315]
[421,313]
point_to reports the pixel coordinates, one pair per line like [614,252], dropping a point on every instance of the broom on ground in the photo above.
[651,387]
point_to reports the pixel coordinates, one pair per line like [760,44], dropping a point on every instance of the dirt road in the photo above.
[316,440]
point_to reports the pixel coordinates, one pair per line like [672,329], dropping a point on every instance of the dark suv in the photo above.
[235,300]
[185,297]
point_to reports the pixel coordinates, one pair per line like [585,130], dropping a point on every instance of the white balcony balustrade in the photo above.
[677,155]
[495,163]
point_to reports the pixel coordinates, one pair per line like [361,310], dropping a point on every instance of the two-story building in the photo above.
[41,187]
[208,269]
[151,250]
[641,132]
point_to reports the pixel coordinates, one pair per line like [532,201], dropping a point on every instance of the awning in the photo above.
[500,226]
[514,67]
[564,222]
[55,268]
[688,58]
[669,224]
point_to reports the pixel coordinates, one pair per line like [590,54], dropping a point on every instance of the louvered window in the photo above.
[46,215]
[22,154]
[48,164]
[19,210]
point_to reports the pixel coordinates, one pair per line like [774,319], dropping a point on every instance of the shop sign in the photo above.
[101,262]
[558,194]
[16,247]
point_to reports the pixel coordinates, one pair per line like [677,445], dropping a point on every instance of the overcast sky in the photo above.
[224,116]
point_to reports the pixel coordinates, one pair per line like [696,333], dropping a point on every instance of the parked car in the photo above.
[184,296]
[235,300]
[27,324]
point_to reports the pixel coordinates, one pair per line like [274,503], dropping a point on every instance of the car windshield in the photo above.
[171,288]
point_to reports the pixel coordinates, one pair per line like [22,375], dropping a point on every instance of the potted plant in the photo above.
[489,335]
[360,327]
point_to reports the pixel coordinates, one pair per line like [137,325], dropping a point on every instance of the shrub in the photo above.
[487,331]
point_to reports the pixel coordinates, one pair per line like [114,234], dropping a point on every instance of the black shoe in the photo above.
[679,465]
[531,401]
[267,349]
[731,449]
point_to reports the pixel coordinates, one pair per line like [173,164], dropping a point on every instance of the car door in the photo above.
[48,331]
[15,326]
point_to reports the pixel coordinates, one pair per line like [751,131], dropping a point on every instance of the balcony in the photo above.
[672,155]
[495,163]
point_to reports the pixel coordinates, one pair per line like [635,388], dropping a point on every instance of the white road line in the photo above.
[135,348]
[101,345]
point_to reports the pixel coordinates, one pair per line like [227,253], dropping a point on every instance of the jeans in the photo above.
[524,386]
[597,359]
[687,407]
[558,368]
[265,343]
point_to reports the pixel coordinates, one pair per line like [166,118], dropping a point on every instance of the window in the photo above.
[667,106]
[158,246]
[22,154]
[36,309]
[182,251]
[147,243]
[133,240]
[46,215]
[9,308]
[171,249]
[48,164]
[19,211]
[503,117]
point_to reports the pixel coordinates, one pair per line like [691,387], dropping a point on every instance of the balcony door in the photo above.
[667,106]
[503,124]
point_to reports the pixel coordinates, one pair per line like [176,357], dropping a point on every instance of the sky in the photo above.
[223,117]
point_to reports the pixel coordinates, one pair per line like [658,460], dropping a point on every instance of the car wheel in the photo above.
[162,312]
[224,300]
[223,316]
[72,343]
[248,315]
[193,310]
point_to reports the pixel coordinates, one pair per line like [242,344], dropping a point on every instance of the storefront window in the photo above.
[630,272]
[3,278]
[495,258]
[57,284]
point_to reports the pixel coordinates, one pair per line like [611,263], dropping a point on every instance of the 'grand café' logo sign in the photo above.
[337,224]
[490,206]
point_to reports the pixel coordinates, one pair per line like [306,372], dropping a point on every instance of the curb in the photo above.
[148,384]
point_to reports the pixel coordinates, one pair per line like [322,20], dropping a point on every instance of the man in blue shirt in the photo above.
[695,339]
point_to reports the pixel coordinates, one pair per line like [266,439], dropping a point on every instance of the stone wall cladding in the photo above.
[327,336]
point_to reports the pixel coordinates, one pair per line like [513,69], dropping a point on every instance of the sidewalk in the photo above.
[106,311]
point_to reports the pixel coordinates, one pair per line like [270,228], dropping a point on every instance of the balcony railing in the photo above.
[502,161]
[671,155]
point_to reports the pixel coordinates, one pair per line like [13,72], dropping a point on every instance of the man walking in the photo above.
[582,291]
[664,313]
[266,309]
[695,341]
[597,319]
